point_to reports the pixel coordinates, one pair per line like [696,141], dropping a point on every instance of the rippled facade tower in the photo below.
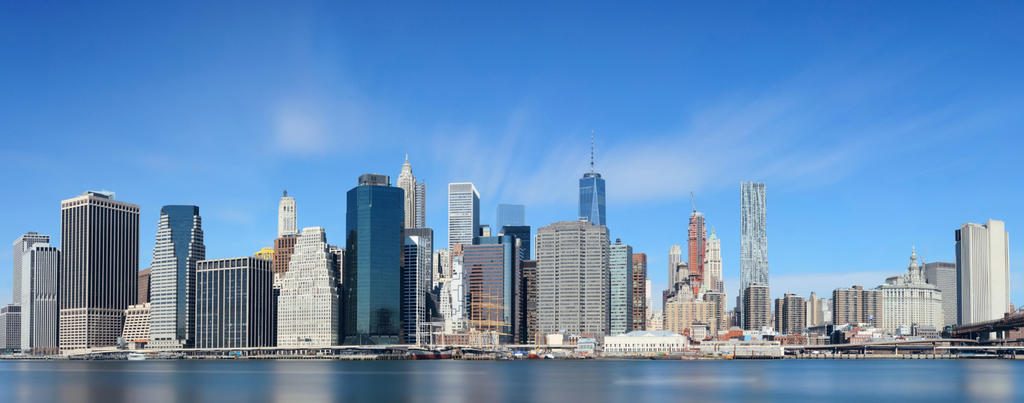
[753,236]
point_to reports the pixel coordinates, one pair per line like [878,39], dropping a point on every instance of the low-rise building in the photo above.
[136,324]
[742,349]
[645,342]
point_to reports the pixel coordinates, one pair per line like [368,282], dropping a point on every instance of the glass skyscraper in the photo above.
[620,267]
[373,261]
[592,198]
[521,232]
[592,193]
[179,246]
[510,215]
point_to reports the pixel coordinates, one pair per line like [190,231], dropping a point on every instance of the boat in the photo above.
[136,357]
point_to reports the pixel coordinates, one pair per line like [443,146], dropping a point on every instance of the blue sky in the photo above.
[876,127]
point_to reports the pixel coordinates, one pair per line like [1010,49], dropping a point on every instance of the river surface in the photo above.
[864,381]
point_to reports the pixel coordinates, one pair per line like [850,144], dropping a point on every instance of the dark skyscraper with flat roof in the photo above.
[373,261]
[233,301]
[592,193]
[521,232]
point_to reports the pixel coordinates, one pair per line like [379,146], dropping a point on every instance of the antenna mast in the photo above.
[694,203]
[591,151]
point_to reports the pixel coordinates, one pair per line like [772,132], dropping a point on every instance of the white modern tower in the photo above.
[39,299]
[307,309]
[753,238]
[983,271]
[463,213]
[21,245]
[287,219]
[675,256]
[179,246]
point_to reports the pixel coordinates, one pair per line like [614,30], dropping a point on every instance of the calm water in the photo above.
[511,381]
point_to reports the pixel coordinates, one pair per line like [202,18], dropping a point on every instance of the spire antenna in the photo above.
[591,151]
[693,202]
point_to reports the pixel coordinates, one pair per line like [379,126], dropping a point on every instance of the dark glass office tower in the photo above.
[521,232]
[373,266]
[592,193]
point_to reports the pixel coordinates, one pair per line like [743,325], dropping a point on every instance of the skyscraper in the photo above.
[713,264]
[696,246]
[463,213]
[287,231]
[10,327]
[522,233]
[22,245]
[491,278]
[528,293]
[753,237]
[234,298]
[307,309]
[510,215]
[943,276]
[416,266]
[179,245]
[573,278]
[640,283]
[592,193]
[421,205]
[283,249]
[39,299]
[373,261]
[675,256]
[757,308]
[814,314]
[983,271]
[99,269]
[620,266]
[414,200]
[453,295]
[287,219]
[144,276]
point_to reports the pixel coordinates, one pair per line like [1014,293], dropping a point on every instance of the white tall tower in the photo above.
[713,264]
[983,271]
[675,256]
[407,182]
[287,220]
[463,213]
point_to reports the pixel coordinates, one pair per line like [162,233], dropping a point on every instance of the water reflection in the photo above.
[476,381]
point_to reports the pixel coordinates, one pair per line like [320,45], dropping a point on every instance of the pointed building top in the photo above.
[285,193]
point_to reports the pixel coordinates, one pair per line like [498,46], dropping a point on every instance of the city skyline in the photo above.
[850,137]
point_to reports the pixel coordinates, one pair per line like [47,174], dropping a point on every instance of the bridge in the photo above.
[981,330]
